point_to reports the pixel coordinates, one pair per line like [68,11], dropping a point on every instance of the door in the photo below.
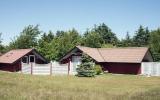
[76,60]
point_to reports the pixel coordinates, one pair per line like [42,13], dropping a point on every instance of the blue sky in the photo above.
[120,15]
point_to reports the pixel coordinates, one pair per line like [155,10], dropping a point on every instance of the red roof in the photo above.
[14,55]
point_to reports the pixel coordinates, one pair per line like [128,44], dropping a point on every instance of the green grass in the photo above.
[14,86]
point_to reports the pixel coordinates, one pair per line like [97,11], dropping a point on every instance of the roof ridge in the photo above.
[126,48]
[113,47]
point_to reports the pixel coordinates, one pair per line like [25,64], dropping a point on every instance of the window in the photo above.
[31,58]
[25,59]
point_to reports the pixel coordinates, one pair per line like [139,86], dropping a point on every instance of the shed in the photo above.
[125,60]
[11,61]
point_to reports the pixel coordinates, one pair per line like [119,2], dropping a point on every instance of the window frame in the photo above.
[26,57]
[30,58]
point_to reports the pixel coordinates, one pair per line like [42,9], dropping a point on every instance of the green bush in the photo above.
[98,69]
[86,69]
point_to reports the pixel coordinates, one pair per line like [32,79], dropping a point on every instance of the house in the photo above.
[115,60]
[11,61]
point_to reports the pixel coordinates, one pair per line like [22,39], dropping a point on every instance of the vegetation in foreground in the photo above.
[15,86]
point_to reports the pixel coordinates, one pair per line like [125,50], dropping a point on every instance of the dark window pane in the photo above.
[25,59]
[31,58]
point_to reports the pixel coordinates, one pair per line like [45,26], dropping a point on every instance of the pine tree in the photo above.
[107,35]
[87,67]
[142,37]
[155,44]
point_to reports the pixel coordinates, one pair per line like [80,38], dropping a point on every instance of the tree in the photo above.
[155,44]
[61,44]
[47,37]
[107,35]
[99,36]
[127,42]
[2,47]
[107,46]
[60,33]
[93,39]
[87,67]
[27,38]
[44,44]
[142,37]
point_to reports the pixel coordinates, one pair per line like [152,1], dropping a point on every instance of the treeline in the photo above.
[55,45]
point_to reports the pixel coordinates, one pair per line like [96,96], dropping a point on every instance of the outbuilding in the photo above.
[12,60]
[125,60]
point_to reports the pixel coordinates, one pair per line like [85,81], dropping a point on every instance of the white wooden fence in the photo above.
[150,68]
[26,68]
[46,69]
[60,68]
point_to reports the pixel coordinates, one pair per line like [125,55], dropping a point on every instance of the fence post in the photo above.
[69,66]
[51,68]
[21,67]
[31,68]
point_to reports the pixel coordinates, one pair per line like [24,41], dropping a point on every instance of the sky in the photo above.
[120,15]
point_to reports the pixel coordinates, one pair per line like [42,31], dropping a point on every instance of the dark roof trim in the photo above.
[71,51]
[62,58]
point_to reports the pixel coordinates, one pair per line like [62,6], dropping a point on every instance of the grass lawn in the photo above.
[14,86]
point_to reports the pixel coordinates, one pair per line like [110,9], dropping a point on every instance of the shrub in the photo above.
[86,69]
[98,69]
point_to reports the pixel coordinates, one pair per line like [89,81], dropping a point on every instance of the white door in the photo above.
[76,60]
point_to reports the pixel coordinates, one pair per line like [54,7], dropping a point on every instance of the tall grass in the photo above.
[15,86]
